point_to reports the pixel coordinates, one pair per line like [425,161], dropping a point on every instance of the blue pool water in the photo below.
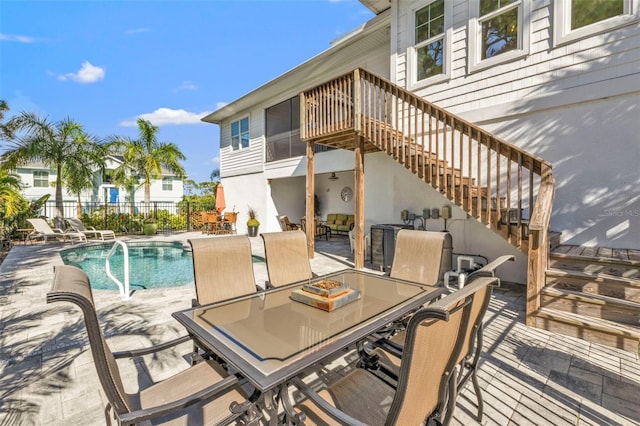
[151,264]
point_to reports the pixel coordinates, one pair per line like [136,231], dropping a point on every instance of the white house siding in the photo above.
[575,104]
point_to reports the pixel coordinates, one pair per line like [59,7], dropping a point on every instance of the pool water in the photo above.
[151,264]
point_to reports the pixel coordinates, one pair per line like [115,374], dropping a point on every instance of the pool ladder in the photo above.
[124,288]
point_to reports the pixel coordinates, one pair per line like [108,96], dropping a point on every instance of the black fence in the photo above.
[128,218]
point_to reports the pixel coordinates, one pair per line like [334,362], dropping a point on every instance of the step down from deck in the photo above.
[624,312]
[595,265]
[590,329]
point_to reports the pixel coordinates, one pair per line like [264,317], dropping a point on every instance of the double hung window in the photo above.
[576,19]
[40,179]
[430,52]
[499,32]
[240,134]
[167,184]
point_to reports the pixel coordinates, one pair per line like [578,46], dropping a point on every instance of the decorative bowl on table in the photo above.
[326,288]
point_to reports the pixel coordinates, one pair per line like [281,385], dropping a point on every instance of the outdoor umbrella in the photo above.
[220,203]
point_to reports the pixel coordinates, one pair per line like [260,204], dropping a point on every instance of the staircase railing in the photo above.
[496,182]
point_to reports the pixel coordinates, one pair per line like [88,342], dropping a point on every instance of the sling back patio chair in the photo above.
[287,257]
[418,256]
[77,225]
[388,353]
[426,386]
[41,229]
[201,394]
[222,269]
[319,230]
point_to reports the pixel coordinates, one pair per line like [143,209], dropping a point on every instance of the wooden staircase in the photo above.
[505,188]
[593,296]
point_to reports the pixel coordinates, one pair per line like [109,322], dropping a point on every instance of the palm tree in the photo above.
[146,157]
[5,129]
[79,176]
[63,146]
[11,200]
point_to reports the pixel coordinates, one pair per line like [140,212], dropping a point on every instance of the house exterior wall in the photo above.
[574,102]
[100,190]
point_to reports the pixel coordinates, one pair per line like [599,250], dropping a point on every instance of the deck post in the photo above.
[358,255]
[310,210]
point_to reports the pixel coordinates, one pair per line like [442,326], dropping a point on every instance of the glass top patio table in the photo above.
[268,338]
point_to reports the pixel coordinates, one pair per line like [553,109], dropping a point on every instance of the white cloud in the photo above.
[221,105]
[137,31]
[163,116]
[88,73]
[186,85]
[18,38]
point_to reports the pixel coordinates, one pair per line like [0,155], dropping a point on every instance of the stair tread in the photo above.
[595,259]
[593,323]
[599,277]
[552,290]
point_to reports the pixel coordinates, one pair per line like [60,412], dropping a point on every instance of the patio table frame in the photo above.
[269,374]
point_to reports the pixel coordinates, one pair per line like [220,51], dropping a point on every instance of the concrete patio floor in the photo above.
[47,377]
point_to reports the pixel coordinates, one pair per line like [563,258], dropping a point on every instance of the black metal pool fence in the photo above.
[128,218]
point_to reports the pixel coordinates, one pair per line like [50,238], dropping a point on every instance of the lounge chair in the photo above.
[426,387]
[78,226]
[202,394]
[286,257]
[41,229]
[222,269]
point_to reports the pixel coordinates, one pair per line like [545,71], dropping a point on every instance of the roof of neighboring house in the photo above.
[320,67]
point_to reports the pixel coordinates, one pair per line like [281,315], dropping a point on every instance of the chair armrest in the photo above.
[151,349]
[489,270]
[204,395]
[329,409]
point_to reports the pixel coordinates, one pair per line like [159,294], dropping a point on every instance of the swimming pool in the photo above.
[152,264]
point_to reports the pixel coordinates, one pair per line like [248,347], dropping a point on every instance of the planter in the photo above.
[150,228]
[252,231]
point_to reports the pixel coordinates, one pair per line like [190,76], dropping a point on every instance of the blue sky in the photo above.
[105,63]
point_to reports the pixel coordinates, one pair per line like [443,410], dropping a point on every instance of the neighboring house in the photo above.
[38,180]
[556,81]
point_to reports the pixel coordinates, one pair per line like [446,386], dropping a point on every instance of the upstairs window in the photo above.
[431,42]
[576,19]
[40,179]
[240,134]
[500,32]
[498,27]
[429,36]
[587,12]
[167,184]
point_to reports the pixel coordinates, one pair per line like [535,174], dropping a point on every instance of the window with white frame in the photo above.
[40,179]
[240,134]
[167,184]
[576,19]
[499,31]
[429,40]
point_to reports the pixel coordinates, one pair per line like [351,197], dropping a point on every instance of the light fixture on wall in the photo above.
[333,176]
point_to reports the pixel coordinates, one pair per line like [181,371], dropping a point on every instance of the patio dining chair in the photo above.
[76,225]
[222,269]
[286,225]
[389,353]
[426,387]
[286,257]
[41,229]
[418,256]
[201,394]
